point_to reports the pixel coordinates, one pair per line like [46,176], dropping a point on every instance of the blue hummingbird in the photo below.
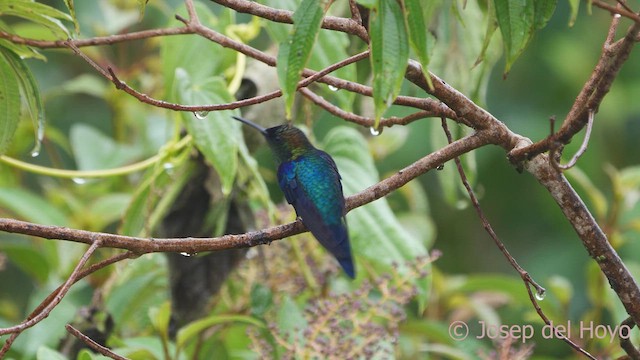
[311,183]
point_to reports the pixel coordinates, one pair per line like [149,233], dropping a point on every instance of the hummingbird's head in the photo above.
[287,141]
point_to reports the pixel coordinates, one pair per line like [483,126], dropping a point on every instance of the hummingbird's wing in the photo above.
[313,188]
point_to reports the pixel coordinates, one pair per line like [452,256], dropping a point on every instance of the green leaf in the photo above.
[94,151]
[190,332]
[293,54]
[261,299]
[44,15]
[330,48]
[45,353]
[160,316]
[575,6]
[30,91]
[198,56]
[516,19]
[418,31]
[389,54]
[544,9]
[23,51]
[29,259]
[291,321]
[31,207]
[376,234]
[492,25]
[72,13]
[215,134]
[9,102]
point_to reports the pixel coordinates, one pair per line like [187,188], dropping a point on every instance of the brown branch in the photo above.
[524,275]
[592,236]
[349,26]
[611,60]
[367,121]
[625,343]
[89,270]
[92,344]
[59,295]
[622,10]
[95,41]
[196,245]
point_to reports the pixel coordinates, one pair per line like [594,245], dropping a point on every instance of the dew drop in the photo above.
[333,88]
[540,295]
[374,131]
[201,114]
[440,167]
[168,167]
[35,152]
[188,254]
[79,181]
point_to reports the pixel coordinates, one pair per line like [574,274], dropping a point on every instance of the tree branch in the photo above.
[196,245]
[613,56]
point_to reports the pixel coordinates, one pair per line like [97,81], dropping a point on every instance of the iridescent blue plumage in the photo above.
[311,183]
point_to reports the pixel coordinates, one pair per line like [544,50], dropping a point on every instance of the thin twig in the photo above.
[92,344]
[526,278]
[349,26]
[622,10]
[580,152]
[367,121]
[625,342]
[613,56]
[59,295]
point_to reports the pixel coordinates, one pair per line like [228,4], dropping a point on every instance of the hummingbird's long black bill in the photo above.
[262,130]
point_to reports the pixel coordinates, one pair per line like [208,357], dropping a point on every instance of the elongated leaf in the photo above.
[198,56]
[30,207]
[72,13]
[330,48]
[44,15]
[216,134]
[544,9]
[575,6]
[9,102]
[418,31]
[191,331]
[516,21]
[492,26]
[389,53]
[376,234]
[294,53]
[22,51]
[30,91]
[94,150]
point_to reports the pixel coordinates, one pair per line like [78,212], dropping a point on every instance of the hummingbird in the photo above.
[311,183]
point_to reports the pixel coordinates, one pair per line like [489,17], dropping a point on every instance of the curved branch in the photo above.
[613,56]
[349,26]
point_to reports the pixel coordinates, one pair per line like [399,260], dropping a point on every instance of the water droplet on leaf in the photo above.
[79,181]
[201,114]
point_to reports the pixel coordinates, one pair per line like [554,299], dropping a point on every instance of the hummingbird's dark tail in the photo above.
[262,130]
